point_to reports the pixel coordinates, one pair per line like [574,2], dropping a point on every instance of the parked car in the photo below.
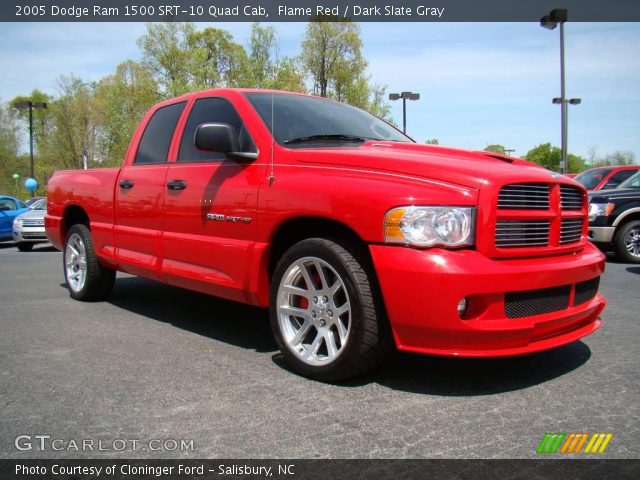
[28,228]
[355,237]
[614,219]
[10,208]
[601,178]
[30,201]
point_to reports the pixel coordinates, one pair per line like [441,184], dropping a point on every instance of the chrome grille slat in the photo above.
[521,233]
[570,198]
[524,196]
[570,230]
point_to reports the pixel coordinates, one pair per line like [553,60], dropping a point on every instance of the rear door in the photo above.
[210,208]
[139,195]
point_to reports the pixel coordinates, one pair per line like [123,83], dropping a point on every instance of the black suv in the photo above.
[614,218]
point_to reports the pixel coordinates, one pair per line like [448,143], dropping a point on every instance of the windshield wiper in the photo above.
[331,138]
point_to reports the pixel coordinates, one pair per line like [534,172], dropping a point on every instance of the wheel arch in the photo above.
[294,230]
[73,214]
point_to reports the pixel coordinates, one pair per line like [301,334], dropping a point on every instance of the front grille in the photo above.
[34,236]
[570,198]
[524,196]
[571,230]
[585,291]
[536,302]
[32,223]
[522,233]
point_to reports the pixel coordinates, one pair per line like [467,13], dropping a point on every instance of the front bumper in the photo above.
[29,234]
[422,289]
[601,234]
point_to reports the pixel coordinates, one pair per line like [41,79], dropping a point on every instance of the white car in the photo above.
[28,228]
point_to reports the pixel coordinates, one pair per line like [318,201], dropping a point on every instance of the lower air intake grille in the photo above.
[571,230]
[522,233]
[536,302]
[585,291]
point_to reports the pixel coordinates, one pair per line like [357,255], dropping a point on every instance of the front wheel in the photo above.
[627,242]
[86,278]
[326,312]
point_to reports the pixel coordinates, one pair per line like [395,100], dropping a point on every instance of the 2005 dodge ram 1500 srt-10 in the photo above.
[355,237]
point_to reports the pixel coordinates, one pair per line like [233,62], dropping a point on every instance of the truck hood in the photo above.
[613,193]
[33,214]
[456,166]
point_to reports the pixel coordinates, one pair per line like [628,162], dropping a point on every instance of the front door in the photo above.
[210,208]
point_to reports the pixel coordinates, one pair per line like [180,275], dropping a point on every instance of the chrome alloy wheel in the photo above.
[314,311]
[75,263]
[632,242]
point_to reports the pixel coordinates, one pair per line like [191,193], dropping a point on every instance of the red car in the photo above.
[603,178]
[355,237]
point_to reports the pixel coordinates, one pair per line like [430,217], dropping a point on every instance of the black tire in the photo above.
[24,246]
[368,340]
[98,280]
[628,233]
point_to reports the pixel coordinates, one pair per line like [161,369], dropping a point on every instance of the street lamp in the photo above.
[30,105]
[550,22]
[404,96]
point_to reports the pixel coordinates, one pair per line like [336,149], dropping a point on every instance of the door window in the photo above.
[212,110]
[155,142]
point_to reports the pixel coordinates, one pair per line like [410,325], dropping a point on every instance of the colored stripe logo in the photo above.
[574,443]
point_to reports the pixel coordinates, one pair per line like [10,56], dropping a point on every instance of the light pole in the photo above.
[30,105]
[550,22]
[564,104]
[404,96]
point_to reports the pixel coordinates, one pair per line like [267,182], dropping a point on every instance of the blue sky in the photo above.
[480,83]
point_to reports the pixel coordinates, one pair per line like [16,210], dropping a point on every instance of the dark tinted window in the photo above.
[154,146]
[292,118]
[621,176]
[212,110]
[591,178]
[8,204]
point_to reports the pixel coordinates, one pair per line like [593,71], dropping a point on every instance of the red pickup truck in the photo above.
[355,237]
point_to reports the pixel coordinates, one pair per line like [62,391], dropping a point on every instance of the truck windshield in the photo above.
[299,121]
[591,178]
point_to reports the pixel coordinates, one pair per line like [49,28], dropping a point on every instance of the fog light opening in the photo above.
[462,307]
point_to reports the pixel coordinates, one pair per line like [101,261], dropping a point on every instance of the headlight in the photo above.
[430,226]
[17,222]
[600,210]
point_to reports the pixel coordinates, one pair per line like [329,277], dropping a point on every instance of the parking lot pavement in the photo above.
[160,363]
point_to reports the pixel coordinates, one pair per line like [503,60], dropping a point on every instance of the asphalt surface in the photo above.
[156,364]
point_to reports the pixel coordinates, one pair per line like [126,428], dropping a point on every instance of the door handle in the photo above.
[126,184]
[176,184]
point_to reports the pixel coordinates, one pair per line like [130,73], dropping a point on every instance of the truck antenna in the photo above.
[273,134]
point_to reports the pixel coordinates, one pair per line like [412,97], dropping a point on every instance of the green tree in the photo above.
[332,56]
[215,60]
[10,163]
[549,157]
[332,59]
[432,141]
[122,100]
[266,68]
[495,148]
[166,55]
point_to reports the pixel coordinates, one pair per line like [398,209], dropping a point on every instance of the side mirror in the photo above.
[221,137]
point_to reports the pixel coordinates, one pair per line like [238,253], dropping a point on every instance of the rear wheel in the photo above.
[24,246]
[627,242]
[326,312]
[86,278]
